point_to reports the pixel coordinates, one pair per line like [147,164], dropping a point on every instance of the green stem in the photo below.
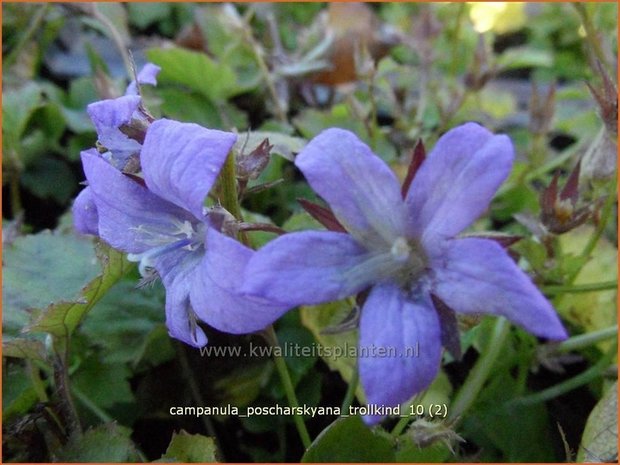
[264,70]
[480,372]
[455,40]
[586,340]
[194,389]
[579,288]
[598,232]
[228,180]
[562,388]
[33,27]
[37,383]
[16,203]
[92,406]
[592,36]
[405,419]
[350,394]
[61,380]
[289,389]
[116,38]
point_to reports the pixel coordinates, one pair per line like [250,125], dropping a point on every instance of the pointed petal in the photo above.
[305,268]
[458,180]
[126,209]
[108,116]
[113,113]
[477,276]
[181,161]
[85,217]
[216,296]
[393,328]
[147,75]
[360,188]
[177,271]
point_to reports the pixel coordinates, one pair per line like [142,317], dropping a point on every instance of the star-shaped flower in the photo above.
[406,251]
[161,221]
[121,122]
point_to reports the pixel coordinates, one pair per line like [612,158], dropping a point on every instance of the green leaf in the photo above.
[105,443]
[41,269]
[18,395]
[143,15]
[17,107]
[349,440]
[50,179]
[197,71]
[310,122]
[60,319]
[409,452]
[124,322]
[104,384]
[336,347]
[590,310]
[191,448]
[19,347]
[599,442]
[524,57]
[283,145]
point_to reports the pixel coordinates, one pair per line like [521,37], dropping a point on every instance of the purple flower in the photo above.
[406,251]
[161,221]
[121,122]
[111,117]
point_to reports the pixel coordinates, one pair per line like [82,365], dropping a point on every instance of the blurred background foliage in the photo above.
[82,385]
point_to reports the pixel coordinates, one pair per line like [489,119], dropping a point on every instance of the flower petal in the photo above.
[216,296]
[457,181]
[177,269]
[305,268]
[113,113]
[129,214]
[181,161]
[478,276]
[85,217]
[108,116]
[399,347]
[147,75]
[362,191]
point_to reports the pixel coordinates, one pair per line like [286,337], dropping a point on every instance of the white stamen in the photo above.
[400,250]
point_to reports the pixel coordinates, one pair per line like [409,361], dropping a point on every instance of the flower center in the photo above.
[182,235]
[404,262]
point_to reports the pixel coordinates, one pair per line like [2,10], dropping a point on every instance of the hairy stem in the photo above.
[61,380]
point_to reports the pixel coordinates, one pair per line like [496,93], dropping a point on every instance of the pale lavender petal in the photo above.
[85,218]
[216,296]
[457,181]
[108,116]
[308,267]
[478,276]
[361,189]
[131,218]
[112,113]
[177,271]
[404,337]
[147,75]
[181,161]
